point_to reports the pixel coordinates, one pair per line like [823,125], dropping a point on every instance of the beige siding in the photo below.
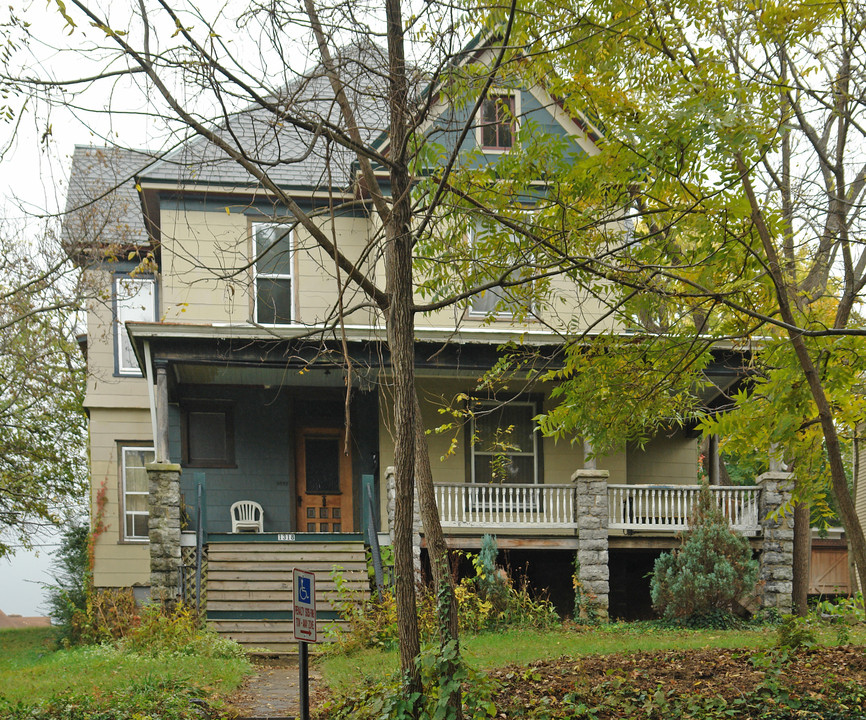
[117,563]
[205,277]
[206,274]
[203,259]
[664,461]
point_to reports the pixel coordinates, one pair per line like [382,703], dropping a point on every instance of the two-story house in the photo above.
[219,333]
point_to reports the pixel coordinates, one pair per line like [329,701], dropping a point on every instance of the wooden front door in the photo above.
[324,481]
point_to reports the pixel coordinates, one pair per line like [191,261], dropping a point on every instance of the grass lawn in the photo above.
[34,672]
[343,673]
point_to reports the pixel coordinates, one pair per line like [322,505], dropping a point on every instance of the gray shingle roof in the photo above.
[292,156]
[102,204]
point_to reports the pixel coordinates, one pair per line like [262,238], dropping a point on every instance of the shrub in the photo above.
[67,597]
[487,601]
[176,631]
[712,568]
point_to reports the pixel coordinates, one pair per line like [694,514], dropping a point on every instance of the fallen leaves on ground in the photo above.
[733,676]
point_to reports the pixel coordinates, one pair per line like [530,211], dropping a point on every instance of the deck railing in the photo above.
[667,507]
[506,506]
[551,507]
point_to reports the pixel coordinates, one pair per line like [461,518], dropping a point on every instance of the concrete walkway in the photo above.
[272,692]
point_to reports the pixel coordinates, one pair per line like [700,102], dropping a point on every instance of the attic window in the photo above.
[497,122]
[273,274]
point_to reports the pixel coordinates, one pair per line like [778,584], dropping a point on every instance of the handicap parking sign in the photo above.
[304,605]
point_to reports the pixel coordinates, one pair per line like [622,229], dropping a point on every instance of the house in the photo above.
[223,340]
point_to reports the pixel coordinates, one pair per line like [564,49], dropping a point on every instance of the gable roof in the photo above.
[293,155]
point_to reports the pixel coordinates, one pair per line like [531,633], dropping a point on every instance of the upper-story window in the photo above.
[273,274]
[505,446]
[498,113]
[134,300]
[497,302]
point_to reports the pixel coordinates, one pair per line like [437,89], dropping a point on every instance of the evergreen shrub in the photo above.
[710,570]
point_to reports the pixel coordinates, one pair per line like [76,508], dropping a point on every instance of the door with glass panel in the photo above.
[324,481]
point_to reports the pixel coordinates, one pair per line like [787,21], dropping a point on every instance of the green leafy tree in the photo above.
[726,206]
[710,570]
[43,469]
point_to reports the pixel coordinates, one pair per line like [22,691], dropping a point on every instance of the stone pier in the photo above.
[592,543]
[164,531]
[416,521]
[777,547]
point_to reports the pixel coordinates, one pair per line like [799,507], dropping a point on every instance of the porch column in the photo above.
[777,547]
[161,439]
[164,531]
[416,521]
[592,554]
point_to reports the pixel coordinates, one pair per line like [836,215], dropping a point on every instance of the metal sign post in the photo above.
[304,615]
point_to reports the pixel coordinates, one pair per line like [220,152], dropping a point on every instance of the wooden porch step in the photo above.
[273,635]
[249,587]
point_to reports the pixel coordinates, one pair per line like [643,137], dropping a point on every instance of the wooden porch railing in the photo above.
[667,507]
[554,507]
[506,506]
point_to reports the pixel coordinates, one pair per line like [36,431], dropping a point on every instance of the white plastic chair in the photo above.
[247,516]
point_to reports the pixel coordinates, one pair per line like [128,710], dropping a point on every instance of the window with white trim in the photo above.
[134,300]
[272,245]
[505,446]
[497,128]
[495,302]
[133,475]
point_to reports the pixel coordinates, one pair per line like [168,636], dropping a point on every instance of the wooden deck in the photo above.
[249,586]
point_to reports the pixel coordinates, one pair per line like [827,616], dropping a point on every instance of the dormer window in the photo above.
[272,245]
[498,115]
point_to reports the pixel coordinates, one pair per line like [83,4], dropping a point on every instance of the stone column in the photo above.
[416,521]
[592,555]
[164,531]
[777,548]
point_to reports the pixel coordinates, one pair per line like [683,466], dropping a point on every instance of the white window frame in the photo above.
[479,126]
[125,311]
[533,410]
[126,513]
[290,276]
[501,294]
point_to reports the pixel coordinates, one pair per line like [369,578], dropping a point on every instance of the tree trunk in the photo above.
[398,259]
[847,512]
[437,550]
[802,557]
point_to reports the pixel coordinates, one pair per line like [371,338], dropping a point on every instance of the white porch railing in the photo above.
[667,507]
[506,506]
[554,507]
